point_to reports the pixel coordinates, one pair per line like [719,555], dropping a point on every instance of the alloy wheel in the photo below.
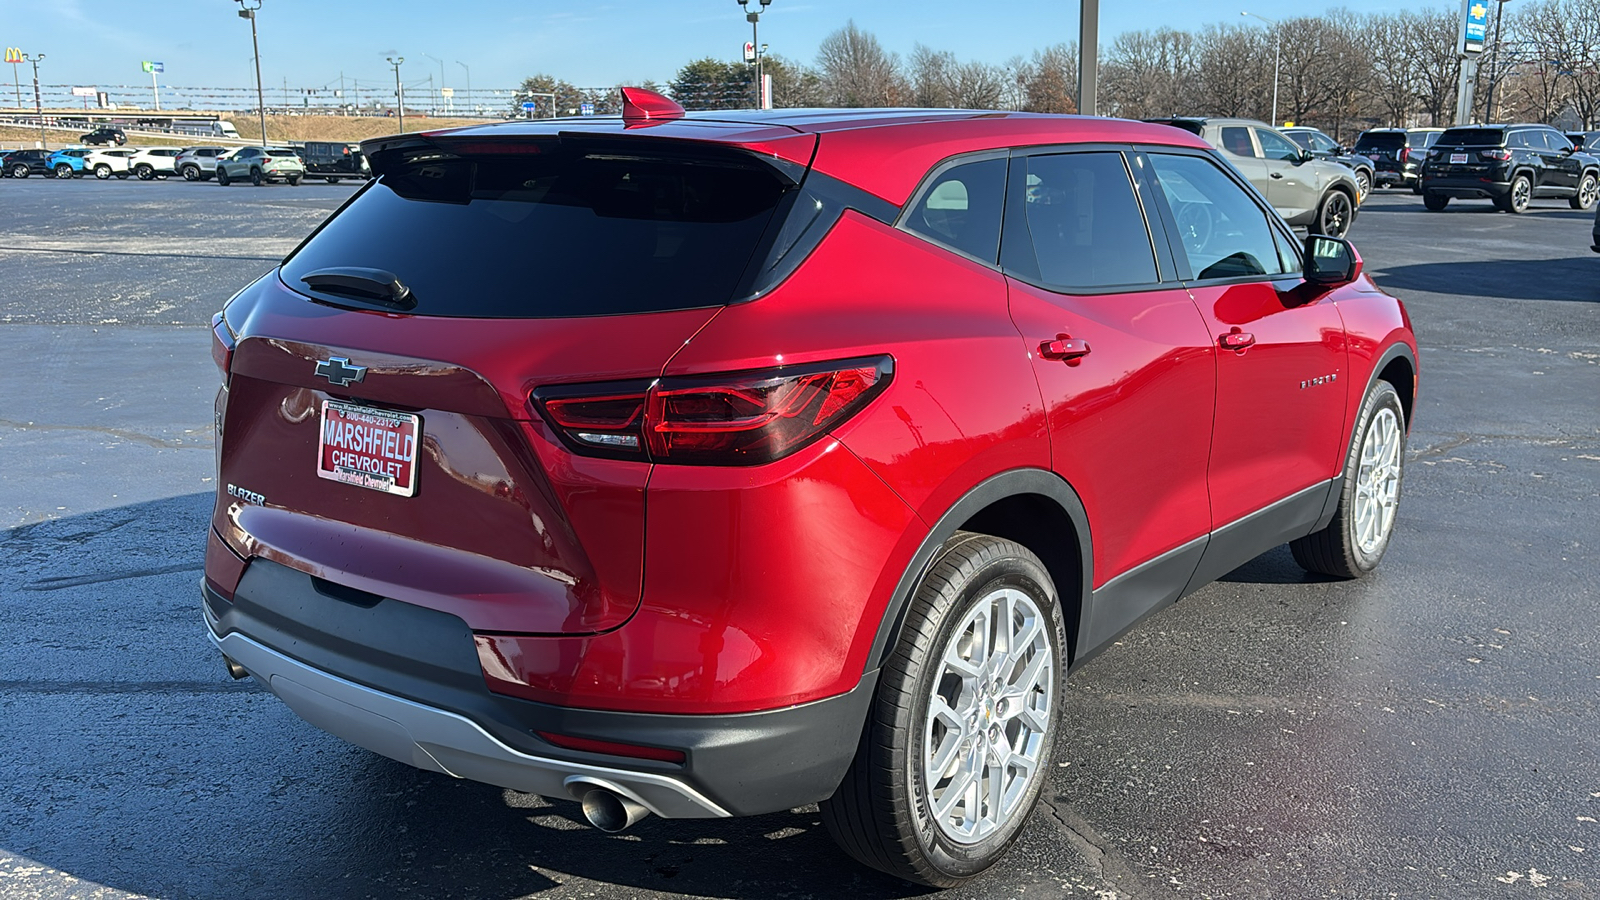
[1521,193]
[985,724]
[1378,481]
[1336,215]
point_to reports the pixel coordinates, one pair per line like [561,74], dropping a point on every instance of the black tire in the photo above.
[1519,196]
[192,173]
[1588,192]
[145,172]
[222,176]
[331,180]
[122,176]
[102,171]
[1339,550]
[880,812]
[20,170]
[294,180]
[255,177]
[1336,214]
[1363,183]
[1435,202]
[63,170]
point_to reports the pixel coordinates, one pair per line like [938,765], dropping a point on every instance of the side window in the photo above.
[1222,231]
[1557,140]
[1324,143]
[1518,140]
[1288,254]
[1275,147]
[1236,140]
[1080,227]
[961,209]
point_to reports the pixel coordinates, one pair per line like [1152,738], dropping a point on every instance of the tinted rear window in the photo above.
[1388,140]
[556,234]
[1415,139]
[1473,137]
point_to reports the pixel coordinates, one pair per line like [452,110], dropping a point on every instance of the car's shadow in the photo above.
[1567,278]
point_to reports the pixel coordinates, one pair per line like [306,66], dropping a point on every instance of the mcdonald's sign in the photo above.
[14,55]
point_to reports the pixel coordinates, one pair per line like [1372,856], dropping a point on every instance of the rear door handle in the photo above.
[1237,340]
[1065,348]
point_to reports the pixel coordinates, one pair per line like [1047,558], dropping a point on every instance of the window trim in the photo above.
[1274,221]
[1015,219]
[931,177]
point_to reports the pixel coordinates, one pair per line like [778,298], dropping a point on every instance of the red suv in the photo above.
[714,465]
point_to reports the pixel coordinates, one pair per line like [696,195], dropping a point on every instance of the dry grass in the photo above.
[338,128]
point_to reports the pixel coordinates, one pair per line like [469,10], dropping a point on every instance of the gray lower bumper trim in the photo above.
[442,741]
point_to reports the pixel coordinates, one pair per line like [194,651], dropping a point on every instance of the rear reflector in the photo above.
[222,344]
[612,748]
[737,419]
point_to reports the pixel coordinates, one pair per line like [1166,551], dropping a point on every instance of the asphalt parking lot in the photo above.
[1433,731]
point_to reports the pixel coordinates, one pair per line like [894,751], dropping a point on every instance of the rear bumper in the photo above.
[405,682]
[1466,188]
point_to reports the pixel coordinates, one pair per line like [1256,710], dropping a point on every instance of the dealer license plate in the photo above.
[1456,158]
[370,448]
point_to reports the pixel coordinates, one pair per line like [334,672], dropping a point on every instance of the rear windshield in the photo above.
[1473,137]
[1384,140]
[554,234]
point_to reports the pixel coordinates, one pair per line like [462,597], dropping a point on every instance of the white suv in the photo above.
[154,162]
[106,163]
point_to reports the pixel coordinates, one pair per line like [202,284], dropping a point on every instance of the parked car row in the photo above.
[1312,192]
[319,159]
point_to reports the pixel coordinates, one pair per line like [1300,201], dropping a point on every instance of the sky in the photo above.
[592,44]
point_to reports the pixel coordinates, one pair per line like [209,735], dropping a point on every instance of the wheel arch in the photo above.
[1034,507]
[1398,366]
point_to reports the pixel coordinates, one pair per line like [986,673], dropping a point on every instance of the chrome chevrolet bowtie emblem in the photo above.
[338,370]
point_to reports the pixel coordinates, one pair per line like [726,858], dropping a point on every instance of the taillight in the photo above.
[222,344]
[736,419]
[1501,155]
[1405,154]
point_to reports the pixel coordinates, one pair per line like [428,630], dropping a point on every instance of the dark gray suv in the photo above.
[1317,195]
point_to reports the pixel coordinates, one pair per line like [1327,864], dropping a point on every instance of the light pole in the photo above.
[754,18]
[1277,57]
[399,89]
[469,84]
[438,100]
[1494,64]
[38,106]
[247,10]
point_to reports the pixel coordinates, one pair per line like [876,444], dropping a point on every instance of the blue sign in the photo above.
[1475,31]
[529,106]
[586,109]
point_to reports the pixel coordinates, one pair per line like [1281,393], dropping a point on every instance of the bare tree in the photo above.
[979,86]
[1150,73]
[855,70]
[1234,68]
[933,77]
[1431,39]
[1395,76]
[1049,81]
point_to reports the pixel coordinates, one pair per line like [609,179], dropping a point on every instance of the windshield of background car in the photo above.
[1421,139]
[1473,137]
[1386,140]
[554,234]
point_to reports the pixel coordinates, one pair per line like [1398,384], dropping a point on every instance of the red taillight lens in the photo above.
[1501,155]
[1405,154]
[222,344]
[738,419]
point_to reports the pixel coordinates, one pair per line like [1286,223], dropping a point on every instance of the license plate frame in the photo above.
[1458,159]
[362,455]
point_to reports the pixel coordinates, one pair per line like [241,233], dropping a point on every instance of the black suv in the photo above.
[22,163]
[105,134]
[1511,165]
[1324,147]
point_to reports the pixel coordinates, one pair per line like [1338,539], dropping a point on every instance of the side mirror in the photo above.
[1331,261]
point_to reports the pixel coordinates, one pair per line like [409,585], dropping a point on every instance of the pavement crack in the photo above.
[67,581]
[136,437]
[1109,867]
[1441,449]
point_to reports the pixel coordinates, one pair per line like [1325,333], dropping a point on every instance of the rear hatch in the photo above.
[1468,152]
[1386,149]
[378,432]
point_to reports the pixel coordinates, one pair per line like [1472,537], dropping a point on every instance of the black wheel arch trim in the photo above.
[1011,483]
[1398,350]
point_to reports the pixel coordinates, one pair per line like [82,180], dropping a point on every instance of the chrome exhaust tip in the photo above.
[611,812]
[234,669]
